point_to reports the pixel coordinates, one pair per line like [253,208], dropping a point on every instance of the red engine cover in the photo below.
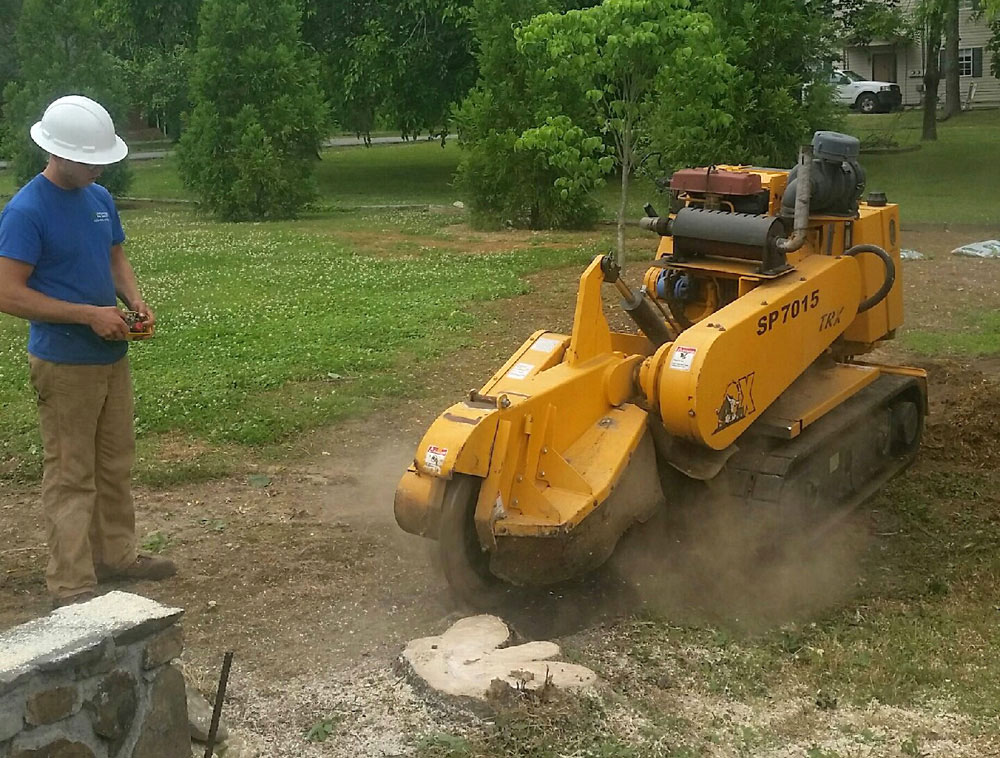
[715,181]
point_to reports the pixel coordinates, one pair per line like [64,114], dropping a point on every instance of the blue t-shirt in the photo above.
[67,236]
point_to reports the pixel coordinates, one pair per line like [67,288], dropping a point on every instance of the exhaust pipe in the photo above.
[803,196]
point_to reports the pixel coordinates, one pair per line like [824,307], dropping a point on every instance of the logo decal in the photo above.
[737,403]
[100,216]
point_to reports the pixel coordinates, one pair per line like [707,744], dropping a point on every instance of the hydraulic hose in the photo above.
[890,274]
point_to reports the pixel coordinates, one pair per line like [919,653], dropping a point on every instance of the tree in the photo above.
[627,54]
[993,45]
[254,133]
[59,53]
[930,17]
[504,178]
[952,82]
[10,11]
[774,98]
[403,62]
[162,87]
[860,22]
[153,39]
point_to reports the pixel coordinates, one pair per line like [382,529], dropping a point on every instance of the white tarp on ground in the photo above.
[985,249]
[911,255]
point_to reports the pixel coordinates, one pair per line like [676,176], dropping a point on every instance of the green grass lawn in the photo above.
[6,184]
[412,173]
[976,333]
[268,329]
[951,181]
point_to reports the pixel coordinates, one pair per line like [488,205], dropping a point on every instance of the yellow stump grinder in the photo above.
[745,372]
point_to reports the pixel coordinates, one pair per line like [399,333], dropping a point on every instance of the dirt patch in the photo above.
[966,404]
[176,448]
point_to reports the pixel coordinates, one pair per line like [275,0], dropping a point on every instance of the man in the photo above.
[62,267]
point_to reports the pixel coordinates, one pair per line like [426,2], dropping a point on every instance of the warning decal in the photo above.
[682,358]
[520,370]
[434,458]
[545,344]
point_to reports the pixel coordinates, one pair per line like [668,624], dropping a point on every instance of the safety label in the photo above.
[682,358]
[520,370]
[545,344]
[434,458]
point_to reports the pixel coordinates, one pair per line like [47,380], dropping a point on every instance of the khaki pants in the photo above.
[87,432]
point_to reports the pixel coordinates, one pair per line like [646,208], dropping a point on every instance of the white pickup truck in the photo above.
[867,96]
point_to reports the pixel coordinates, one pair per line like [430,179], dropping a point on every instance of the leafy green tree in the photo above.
[254,134]
[503,180]
[153,39]
[60,53]
[859,22]
[775,96]
[10,11]
[547,178]
[402,63]
[162,86]
[993,45]
[627,55]
[134,27]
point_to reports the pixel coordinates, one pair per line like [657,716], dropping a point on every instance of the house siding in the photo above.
[910,63]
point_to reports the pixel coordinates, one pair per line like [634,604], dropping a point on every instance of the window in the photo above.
[965,61]
[970,61]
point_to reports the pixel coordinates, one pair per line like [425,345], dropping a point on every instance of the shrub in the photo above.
[254,134]
[543,178]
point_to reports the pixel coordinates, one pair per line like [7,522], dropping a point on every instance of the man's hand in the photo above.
[146,316]
[108,322]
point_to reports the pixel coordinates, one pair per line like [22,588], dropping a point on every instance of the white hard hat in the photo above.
[78,129]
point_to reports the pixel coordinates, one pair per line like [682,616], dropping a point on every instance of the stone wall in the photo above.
[95,680]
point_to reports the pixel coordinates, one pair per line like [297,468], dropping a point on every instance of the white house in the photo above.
[903,63]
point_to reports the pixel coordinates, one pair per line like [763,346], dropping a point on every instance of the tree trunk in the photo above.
[626,162]
[952,84]
[932,73]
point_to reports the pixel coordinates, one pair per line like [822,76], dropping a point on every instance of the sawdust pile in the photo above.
[363,710]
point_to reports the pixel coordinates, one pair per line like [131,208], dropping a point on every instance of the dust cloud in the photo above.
[363,493]
[710,561]
[722,560]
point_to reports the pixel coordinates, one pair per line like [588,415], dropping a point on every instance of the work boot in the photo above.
[143,567]
[79,597]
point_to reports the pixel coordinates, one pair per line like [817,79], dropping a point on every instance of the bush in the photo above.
[253,138]
[543,178]
[505,183]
